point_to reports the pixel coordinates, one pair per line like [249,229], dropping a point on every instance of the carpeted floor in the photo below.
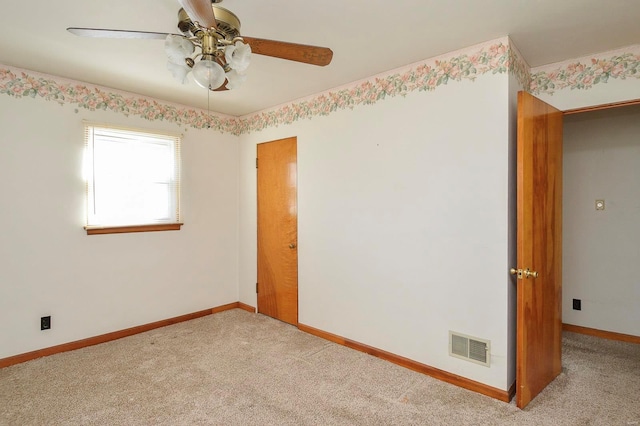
[237,368]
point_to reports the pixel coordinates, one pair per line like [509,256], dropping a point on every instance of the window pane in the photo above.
[132,178]
[133,203]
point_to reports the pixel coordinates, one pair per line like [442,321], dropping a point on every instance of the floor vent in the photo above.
[469,348]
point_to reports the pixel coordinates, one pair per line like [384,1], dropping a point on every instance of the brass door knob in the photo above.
[292,245]
[526,273]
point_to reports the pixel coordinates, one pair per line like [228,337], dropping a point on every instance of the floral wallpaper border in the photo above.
[586,72]
[519,67]
[497,57]
[22,83]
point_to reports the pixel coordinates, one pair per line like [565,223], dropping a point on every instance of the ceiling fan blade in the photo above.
[200,11]
[105,33]
[313,55]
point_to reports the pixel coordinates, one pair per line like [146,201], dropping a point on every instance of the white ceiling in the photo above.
[367,37]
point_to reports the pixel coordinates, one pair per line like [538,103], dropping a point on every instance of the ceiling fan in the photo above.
[211,47]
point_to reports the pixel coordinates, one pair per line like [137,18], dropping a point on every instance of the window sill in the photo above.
[96,230]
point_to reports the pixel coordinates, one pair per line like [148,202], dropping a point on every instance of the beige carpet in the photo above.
[237,368]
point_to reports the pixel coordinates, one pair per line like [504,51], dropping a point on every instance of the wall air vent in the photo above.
[469,348]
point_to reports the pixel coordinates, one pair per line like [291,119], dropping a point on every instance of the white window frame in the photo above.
[100,219]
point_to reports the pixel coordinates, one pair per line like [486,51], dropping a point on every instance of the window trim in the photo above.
[142,227]
[99,230]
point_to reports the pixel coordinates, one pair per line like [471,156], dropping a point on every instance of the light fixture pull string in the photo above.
[208,108]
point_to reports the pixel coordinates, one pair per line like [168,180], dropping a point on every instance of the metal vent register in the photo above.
[469,348]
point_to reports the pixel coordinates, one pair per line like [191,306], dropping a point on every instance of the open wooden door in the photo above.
[539,269]
[278,230]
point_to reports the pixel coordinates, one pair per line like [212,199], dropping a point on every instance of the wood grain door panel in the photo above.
[539,204]
[278,230]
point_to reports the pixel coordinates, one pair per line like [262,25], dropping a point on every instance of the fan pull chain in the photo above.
[208,109]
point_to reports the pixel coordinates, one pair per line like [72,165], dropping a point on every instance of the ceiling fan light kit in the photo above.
[224,55]
[221,47]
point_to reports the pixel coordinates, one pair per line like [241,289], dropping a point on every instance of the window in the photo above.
[133,180]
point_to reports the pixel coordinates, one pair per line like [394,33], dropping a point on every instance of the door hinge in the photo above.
[256,163]
[256,287]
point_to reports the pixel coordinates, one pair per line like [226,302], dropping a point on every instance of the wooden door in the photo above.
[539,298]
[278,230]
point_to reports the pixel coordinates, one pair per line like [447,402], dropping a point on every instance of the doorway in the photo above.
[601,227]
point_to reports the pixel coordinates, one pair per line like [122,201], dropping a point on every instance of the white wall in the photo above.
[602,248]
[92,285]
[403,222]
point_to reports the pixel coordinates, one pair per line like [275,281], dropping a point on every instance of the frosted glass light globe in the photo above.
[208,74]
[238,56]
[235,79]
[177,48]
[179,72]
